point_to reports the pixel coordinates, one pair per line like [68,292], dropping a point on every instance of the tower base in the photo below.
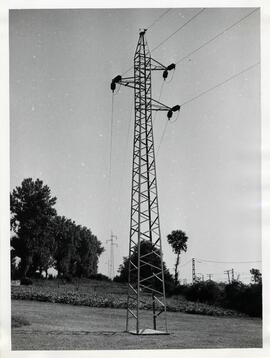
[148,331]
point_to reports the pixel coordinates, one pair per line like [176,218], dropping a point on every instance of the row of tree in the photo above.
[42,239]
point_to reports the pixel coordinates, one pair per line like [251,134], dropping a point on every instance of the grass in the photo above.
[102,294]
[19,321]
[66,327]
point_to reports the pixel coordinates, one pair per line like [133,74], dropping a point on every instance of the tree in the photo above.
[146,270]
[77,249]
[178,241]
[256,275]
[31,206]
[88,251]
[63,234]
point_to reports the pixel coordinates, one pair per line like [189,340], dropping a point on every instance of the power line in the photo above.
[164,131]
[159,97]
[180,28]
[205,43]
[111,138]
[110,163]
[220,84]
[215,37]
[126,152]
[228,262]
[157,19]
[153,23]
[184,264]
[203,93]
[130,68]
[162,136]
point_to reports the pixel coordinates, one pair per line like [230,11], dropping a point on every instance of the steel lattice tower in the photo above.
[146,273]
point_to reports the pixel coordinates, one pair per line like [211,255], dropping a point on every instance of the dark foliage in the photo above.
[31,206]
[43,240]
[99,277]
[244,298]
[236,295]
[208,292]
[178,241]
[77,249]
[26,281]
[146,270]
[256,275]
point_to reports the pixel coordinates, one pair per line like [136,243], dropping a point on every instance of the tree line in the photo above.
[43,239]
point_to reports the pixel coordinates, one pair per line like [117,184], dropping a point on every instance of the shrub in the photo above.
[236,295]
[118,278]
[247,299]
[253,301]
[208,292]
[26,281]
[47,294]
[99,277]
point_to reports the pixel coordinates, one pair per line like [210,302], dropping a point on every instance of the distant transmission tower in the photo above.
[111,261]
[146,275]
[193,271]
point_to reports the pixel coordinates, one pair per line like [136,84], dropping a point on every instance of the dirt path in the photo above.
[60,327]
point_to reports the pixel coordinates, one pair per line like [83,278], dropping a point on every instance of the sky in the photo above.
[208,162]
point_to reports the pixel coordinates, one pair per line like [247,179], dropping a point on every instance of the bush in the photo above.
[207,292]
[252,304]
[236,295]
[247,299]
[99,277]
[26,281]
[107,299]
[118,278]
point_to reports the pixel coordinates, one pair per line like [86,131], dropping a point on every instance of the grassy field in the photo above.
[66,327]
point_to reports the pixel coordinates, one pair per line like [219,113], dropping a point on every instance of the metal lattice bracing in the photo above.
[193,271]
[146,271]
[145,253]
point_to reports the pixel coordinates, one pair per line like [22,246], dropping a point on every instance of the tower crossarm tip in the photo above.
[168,68]
[115,80]
[157,66]
[173,109]
[125,81]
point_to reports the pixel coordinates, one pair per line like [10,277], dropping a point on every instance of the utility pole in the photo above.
[228,273]
[193,271]
[210,276]
[202,276]
[146,275]
[232,274]
[112,244]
